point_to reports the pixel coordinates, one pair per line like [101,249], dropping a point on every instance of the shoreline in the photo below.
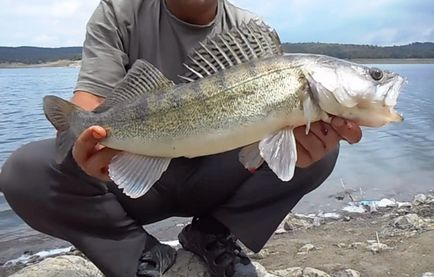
[77,63]
[59,63]
[335,240]
[393,61]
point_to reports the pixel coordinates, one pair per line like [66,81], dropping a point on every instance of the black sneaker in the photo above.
[220,252]
[155,262]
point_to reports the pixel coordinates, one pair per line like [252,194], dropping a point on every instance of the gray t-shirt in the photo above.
[122,31]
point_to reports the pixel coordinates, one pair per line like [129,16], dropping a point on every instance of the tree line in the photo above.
[417,50]
[38,55]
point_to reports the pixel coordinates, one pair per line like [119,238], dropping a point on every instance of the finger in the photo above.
[348,130]
[311,143]
[86,143]
[303,157]
[99,147]
[97,164]
[326,134]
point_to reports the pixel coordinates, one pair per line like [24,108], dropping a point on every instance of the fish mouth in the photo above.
[392,97]
[394,89]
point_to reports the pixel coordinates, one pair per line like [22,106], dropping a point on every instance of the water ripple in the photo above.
[394,160]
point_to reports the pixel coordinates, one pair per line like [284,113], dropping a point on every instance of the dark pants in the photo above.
[106,225]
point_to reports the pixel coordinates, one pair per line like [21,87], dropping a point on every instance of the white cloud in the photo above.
[44,39]
[383,22]
[64,9]
[62,22]
[44,22]
[382,36]
[44,9]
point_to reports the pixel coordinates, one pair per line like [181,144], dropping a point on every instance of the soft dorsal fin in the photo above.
[241,44]
[142,79]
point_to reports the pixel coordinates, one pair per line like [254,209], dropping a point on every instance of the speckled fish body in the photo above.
[230,109]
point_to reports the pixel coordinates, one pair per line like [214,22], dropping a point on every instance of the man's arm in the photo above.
[86,100]
[104,64]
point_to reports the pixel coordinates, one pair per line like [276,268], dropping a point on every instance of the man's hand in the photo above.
[90,155]
[323,138]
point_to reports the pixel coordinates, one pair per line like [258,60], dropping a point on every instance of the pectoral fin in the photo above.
[309,112]
[136,174]
[250,157]
[280,152]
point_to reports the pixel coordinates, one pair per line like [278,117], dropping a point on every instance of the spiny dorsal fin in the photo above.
[142,79]
[241,44]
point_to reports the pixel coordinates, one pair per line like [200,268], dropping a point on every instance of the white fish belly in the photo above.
[208,143]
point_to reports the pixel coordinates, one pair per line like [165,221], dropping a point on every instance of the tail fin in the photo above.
[58,112]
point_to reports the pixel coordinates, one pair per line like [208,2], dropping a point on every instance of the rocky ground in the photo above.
[388,239]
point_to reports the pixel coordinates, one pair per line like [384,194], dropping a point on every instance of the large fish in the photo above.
[240,91]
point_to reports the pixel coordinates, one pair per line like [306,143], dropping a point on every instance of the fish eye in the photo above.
[376,74]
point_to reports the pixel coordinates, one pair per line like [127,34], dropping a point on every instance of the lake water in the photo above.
[395,161]
[21,116]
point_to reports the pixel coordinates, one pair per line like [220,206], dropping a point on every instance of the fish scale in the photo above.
[203,108]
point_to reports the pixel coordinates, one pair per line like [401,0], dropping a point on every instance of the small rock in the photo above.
[313,272]
[317,221]
[289,272]
[372,208]
[260,272]
[403,211]
[188,264]
[356,245]
[300,272]
[261,255]
[354,209]
[419,199]
[306,248]
[291,223]
[346,273]
[404,205]
[341,245]
[280,230]
[409,222]
[385,203]
[376,247]
[347,218]
[76,252]
[71,266]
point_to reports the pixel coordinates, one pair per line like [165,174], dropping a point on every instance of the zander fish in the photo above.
[240,91]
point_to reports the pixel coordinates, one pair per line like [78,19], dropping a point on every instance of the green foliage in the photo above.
[37,55]
[415,50]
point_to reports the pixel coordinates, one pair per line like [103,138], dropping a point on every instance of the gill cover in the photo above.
[356,92]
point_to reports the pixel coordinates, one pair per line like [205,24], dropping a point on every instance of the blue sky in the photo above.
[53,23]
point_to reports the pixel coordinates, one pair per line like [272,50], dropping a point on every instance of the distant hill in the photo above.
[38,55]
[415,50]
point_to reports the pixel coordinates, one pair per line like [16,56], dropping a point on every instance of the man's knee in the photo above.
[328,163]
[18,172]
[317,173]
[21,178]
